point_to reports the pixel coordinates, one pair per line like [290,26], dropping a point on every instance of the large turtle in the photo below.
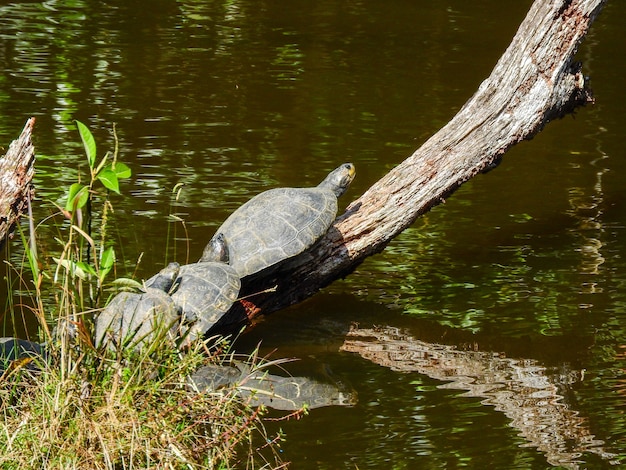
[281,223]
[185,300]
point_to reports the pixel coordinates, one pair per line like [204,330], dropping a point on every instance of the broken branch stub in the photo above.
[16,174]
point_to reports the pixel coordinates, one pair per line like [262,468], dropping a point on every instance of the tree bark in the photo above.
[16,174]
[534,82]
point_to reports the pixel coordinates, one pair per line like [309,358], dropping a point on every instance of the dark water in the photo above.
[521,273]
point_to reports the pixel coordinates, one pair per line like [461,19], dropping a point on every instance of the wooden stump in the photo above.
[16,174]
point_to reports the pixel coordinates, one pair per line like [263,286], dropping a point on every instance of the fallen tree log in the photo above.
[16,174]
[535,81]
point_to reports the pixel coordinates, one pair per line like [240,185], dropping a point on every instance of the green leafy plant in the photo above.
[82,406]
[84,259]
[109,173]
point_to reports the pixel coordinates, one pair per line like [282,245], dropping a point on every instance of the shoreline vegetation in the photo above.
[81,406]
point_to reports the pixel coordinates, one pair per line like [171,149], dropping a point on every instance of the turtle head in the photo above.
[164,279]
[339,179]
[216,250]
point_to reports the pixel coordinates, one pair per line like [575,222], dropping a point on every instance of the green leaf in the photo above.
[88,142]
[126,283]
[103,274]
[109,179]
[112,173]
[107,260]
[121,170]
[77,197]
[79,269]
[86,268]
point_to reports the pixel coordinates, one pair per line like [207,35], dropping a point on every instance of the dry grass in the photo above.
[126,412]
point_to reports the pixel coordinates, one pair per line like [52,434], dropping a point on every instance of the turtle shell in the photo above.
[276,225]
[281,223]
[204,291]
[135,319]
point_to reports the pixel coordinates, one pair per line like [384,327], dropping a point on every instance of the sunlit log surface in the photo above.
[535,81]
[16,174]
[528,393]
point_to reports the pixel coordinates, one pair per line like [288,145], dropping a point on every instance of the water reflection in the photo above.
[532,396]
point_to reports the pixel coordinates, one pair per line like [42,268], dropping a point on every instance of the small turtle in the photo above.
[281,223]
[202,291]
[134,319]
[23,351]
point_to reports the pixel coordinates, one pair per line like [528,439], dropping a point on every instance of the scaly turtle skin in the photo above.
[281,223]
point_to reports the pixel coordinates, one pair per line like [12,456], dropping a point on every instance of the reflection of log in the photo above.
[524,390]
[16,173]
[534,82]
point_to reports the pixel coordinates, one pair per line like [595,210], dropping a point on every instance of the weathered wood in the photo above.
[16,173]
[534,82]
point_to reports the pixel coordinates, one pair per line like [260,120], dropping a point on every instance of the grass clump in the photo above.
[129,411]
[78,406]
